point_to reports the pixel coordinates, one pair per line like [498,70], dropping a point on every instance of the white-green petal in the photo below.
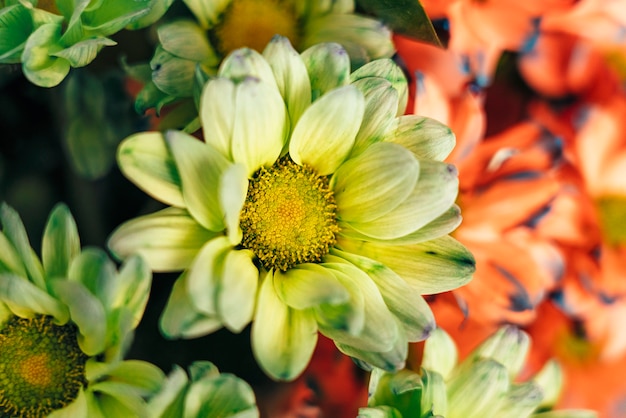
[146,378]
[325,133]
[25,299]
[309,285]
[260,125]
[207,12]
[328,65]
[386,69]
[200,168]
[245,63]
[440,353]
[217,113]
[129,289]
[374,183]
[146,160]
[93,269]
[237,292]
[78,408]
[404,302]
[180,319]
[204,275]
[520,401]
[233,190]
[60,243]
[430,267]
[118,399]
[86,311]
[171,74]
[391,360]
[381,105]
[434,396]
[223,396]
[38,66]
[171,396]
[283,338]
[434,193]
[508,346]
[550,379]
[10,260]
[291,76]
[427,138]
[185,39]
[168,240]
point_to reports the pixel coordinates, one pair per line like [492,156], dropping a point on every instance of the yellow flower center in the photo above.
[41,367]
[253,23]
[612,210]
[289,216]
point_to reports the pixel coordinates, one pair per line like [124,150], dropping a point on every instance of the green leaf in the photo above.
[83,52]
[38,65]
[16,25]
[405,17]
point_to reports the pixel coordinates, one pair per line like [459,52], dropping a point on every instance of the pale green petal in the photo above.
[171,396]
[130,288]
[427,138]
[185,39]
[550,379]
[168,240]
[283,339]
[25,299]
[86,311]
[391,360]
[93,269]
[520,401]
[380,328]
[78,408]
[309,285]
[443,225]
[237,293]
[390,71]
[374,183]
[232,195]
[93,406]
[434,193]
[260,125]
[171,74]
[180,319]
[207,12]
[84,52]
[508,346]
[379,412]
[38,66]
[381,104]
[10,260]
[146,160]
[146,378]
[434,396]
[245,63]
[203,280]
[291,76]
[217,113]
[431,267]
[118,399]
[60,243]
[440,353]
[200,168]
[325,133]
[404,302]
[223,396]
[473,394]
[14,231]
[328,66]
[363,38]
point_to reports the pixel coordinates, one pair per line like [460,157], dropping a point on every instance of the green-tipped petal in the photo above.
[118,400]
[440,353]
[291,76]
[237,293]
[171,74]
[86,311]
[84,52]
[283,339]
[200,169]
[180,319]
[232,195]
[171,397]
[259,127]
[509,346]
[129,289]
[168,240]
[390,360]
[60,242]
[390,71]
[407,305]
[328,66]
[550,379]
[434,397]
[146,160]
[93,269]
[473,394]
[381,105]
[520,401]
[143,376]
[223,396]
[325,133]
[25,299]
[309,285]
[10,260]
[207,12]
[374,183]
[431,267]
[203,280]
[427,138]
[434,193]
[217,112]
[245,63]
[185,39]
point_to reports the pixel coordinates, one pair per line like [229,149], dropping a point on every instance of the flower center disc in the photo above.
[253,23]
[289,216]
[41,367]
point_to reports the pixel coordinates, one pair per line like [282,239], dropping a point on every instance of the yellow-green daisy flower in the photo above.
[206,393]
[484,385]
[309,206]
[65,323]
[222,26]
